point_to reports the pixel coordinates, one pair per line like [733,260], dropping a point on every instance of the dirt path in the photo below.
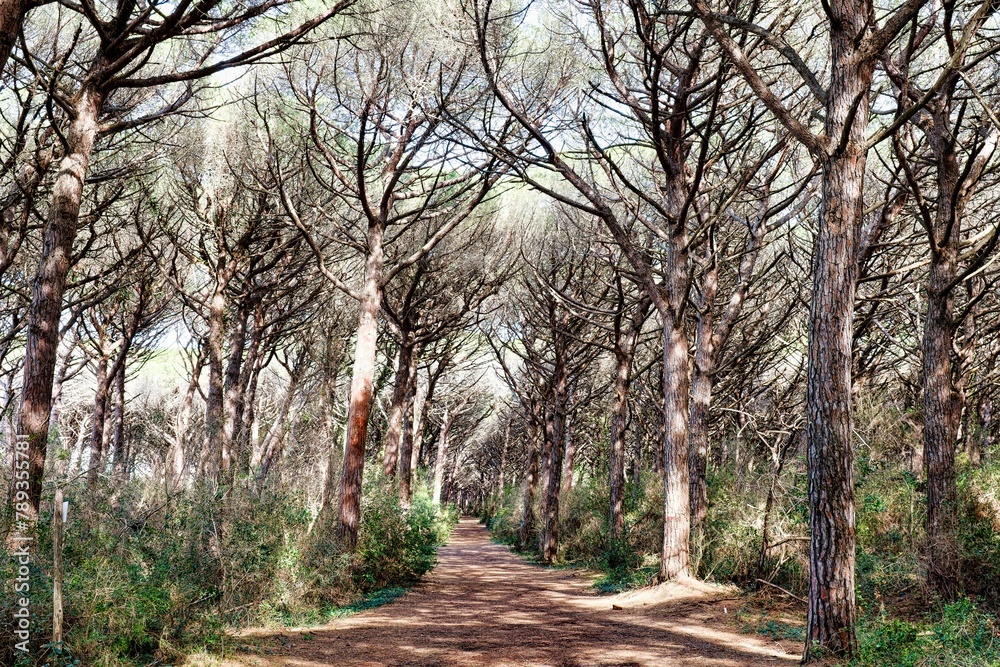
[484,606]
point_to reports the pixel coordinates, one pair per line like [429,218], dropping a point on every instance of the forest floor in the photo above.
[484,606]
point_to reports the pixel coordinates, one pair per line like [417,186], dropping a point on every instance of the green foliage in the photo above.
[150,580]
[962,635]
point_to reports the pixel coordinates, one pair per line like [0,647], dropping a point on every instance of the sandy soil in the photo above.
[483,606]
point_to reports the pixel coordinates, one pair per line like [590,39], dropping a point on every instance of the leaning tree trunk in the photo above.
[40,351]
[359,408]
[527,525]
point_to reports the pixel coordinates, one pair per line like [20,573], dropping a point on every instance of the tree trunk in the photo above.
[11,17]
[271,446]
[359,409]
[214,455]
[675,557]
[829,452]
[100,414]
[442,454]
[49,285]
[394,430]
[175,456]
[527,525]
[942,403]
[406,457]
[701,398]
[120,456]
[556,435]
[233,394]
[625,344]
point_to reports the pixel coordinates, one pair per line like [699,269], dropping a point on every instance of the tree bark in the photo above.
[233,391]
[625,345]
[100,414]
[214,456]
[406,457]
[359,409]
[675,556]
[442,455]
[527,525]
[829,452]
[394,429]
[942,402]
[11,17]
[50,283]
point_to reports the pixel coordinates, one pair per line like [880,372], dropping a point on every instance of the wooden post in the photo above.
[58,517]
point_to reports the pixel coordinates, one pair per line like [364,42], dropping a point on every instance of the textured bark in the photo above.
[97,424]
[394,429]
[11,17]
[213,461]
[359,408]
[440,461]
[406,449]
[701,400]
[625,344]
[556,435]
[830,455]
[942,401]
[118,443]
[675,556]
[233,394]
[49,285]
[527,524]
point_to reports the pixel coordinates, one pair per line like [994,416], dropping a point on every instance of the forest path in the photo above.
[484,606]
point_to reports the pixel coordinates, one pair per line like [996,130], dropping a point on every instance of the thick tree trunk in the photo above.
[394,430]
[829,452]
[942,402]
[359,409]
[569,459]
[675,556]
[50,283]
[11,17]
[555,432]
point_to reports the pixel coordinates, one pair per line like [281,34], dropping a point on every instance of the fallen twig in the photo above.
[788,593]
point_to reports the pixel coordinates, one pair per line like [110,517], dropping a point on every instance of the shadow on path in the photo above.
[483,606]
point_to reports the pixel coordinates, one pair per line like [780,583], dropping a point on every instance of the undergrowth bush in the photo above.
[961,635]
[148,580]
